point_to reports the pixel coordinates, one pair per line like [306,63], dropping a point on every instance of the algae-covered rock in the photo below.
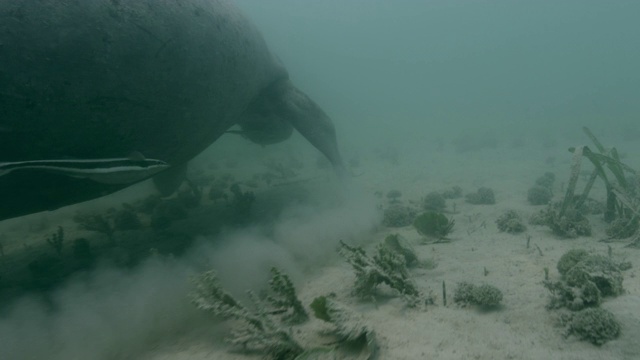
[622,227]
[487,295]
[586,279]
[570,259]
[570,225]
[600,270]
[510,222]
[463,293]
[539,195]
[595,325]
[398,215]
[573,298]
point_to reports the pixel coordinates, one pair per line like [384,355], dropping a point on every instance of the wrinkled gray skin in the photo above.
[91,79]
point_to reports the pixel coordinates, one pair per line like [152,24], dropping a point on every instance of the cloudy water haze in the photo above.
[462,111]
[437,67]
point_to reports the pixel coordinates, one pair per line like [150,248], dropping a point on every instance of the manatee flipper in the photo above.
[282,105]
[262,123]
[313,123]
[168,181]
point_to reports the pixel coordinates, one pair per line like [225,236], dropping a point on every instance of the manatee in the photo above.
[84,84]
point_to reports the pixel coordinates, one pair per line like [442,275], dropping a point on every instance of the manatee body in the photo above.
[102,79]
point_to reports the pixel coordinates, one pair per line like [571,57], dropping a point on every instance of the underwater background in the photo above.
[425,96]
[436,68]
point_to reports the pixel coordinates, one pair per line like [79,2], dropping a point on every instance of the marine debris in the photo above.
[621,185]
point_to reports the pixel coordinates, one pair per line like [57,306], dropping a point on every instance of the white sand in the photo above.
[520,329]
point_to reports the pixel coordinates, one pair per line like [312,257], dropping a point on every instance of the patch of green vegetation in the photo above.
[319,308]
[398,215]
[485,295]
[433,224]
[262,328]
[385,267]
[284,300]
[350,328]
[483,196]
[256,330]
[463,293]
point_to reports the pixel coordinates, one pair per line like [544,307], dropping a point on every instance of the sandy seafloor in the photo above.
[520,329]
